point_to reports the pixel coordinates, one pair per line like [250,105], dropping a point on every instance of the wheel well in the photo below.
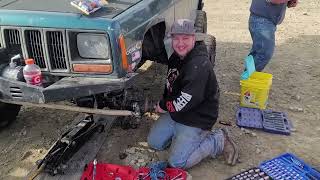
[153,47]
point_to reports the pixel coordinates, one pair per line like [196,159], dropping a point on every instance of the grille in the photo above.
[34,47]
[13,40]
[56,50]
[1,42]
[46,47]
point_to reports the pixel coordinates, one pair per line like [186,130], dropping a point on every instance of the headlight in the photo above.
[93,46]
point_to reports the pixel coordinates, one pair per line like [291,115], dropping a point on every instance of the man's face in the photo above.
[182,43]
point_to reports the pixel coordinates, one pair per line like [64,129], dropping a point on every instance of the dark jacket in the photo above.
[273,12]
[191,94]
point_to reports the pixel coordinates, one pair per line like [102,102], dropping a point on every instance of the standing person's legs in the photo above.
[190,145]
[161,133]
[262,33]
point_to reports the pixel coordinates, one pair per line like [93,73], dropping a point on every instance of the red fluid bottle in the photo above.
[32,73]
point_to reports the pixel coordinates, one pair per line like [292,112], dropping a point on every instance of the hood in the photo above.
[112,9]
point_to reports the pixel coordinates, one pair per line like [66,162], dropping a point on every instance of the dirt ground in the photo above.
[295,90]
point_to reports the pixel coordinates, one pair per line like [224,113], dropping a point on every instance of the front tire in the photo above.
[201,22]
[9,113]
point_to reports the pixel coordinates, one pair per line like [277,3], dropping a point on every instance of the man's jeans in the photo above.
[262,33]
[189,145]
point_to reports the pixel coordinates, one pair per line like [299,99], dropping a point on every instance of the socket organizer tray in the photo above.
[289,167]
[249,118]
[276,122]
[251,174]
[267,120]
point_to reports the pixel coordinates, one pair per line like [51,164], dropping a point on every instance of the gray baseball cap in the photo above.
[183,26]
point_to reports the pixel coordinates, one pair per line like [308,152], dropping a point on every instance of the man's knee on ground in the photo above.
[175,163]
[154,144]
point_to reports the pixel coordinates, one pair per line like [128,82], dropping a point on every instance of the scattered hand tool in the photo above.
[94,169]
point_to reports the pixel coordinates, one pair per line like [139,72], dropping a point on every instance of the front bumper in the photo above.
[64,89]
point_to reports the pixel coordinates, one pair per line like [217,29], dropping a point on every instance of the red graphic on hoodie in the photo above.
[170,106]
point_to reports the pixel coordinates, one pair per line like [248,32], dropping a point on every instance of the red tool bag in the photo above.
[117,172]
[109,172]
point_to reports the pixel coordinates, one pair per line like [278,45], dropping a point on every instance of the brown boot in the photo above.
[230,150]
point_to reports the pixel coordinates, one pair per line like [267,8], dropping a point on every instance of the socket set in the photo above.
[276,122]
[289,167]
[251,174]
[267,120]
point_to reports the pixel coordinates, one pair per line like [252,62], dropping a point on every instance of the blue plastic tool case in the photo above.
[267,120]
[289,167]
[249,117]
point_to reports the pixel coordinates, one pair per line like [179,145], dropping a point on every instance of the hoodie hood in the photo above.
[199,49]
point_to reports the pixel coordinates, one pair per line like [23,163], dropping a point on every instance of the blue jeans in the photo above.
[188,145]
[262,33]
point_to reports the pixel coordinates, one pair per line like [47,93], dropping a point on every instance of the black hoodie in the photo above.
[191,94]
